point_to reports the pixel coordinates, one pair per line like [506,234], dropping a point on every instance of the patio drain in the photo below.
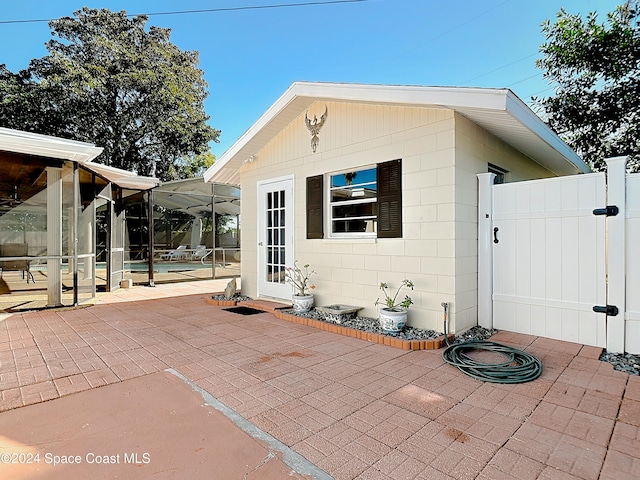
[243,310]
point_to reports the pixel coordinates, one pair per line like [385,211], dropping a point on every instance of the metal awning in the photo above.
[193,196]
[46,146]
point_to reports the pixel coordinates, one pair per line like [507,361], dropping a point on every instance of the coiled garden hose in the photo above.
[518,367]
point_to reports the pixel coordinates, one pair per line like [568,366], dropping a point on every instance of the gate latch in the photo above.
[610,310]
[609,211]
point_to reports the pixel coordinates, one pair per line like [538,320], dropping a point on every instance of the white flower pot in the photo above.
[392,321]
[302,303]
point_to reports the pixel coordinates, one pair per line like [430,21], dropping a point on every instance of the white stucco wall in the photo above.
[441,153]
[475,148]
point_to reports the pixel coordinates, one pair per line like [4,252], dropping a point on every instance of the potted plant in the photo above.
[393,317]
[298,278]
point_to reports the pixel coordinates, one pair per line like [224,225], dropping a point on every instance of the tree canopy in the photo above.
[110,81]
[594,68]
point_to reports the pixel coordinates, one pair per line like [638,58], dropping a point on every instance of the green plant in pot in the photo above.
[299,278]
[393,316]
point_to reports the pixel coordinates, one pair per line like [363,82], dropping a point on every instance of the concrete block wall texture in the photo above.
[441,154]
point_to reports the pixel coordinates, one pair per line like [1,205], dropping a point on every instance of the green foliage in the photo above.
[225,223]
[190,166]
[23,103]
[392,303]
[109,81]
[594,68]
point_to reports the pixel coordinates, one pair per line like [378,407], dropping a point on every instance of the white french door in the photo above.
[275,236]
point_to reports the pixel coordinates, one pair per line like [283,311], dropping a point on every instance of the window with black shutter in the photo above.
[361,203]
[315,207]
[390,199]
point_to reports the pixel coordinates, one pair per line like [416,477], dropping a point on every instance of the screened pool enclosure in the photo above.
[70,227]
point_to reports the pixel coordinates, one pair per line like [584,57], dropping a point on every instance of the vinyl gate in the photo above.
[632,271]
[555,262]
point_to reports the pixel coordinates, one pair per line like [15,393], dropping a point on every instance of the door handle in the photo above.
[260,244]
[495,235]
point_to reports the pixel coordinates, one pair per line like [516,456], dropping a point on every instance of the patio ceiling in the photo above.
[40,149]
[499,111]
[24,157]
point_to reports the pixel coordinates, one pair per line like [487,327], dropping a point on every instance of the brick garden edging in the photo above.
[221,303]
[430,344]
[277,311]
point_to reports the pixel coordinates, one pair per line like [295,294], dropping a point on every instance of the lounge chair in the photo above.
[179,253]
[201,252]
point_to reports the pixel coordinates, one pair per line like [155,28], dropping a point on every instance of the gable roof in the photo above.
[498,111]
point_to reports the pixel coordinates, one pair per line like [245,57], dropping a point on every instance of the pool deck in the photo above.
[185,389]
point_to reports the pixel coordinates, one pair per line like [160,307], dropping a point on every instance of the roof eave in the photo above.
[29,143]
[300,95]
[570,161]
[47,146]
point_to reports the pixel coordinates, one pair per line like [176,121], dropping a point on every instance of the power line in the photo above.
[524,79]
[500,68]
[209,10]
[446,32]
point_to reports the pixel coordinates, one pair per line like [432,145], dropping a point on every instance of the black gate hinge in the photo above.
[610,310]
[609,211]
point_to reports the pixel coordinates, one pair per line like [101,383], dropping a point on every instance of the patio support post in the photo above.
[616,249]
[54,236]
[485,250]
[151,236]
[215,229]
[73,261]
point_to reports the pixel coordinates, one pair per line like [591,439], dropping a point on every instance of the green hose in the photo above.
[526,368]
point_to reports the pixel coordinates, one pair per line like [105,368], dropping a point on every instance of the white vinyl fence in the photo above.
[632,230]
[557,257]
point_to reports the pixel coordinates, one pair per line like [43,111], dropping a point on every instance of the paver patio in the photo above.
[355,409]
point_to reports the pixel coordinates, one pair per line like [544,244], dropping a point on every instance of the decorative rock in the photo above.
[624,362]
[230,291]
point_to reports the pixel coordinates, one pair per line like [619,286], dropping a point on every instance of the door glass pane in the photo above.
[275,237]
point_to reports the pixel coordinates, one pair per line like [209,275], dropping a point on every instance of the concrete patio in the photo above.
[352,409]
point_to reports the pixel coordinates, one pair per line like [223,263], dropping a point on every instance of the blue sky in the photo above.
[251,56]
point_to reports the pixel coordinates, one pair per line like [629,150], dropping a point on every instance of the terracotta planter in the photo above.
[302,303]
[392,321]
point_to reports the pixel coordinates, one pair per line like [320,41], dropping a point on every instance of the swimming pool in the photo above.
[164,267]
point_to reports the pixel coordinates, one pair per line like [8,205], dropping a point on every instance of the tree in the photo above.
[20,101]
[191,166]
[594,67]
[108,81]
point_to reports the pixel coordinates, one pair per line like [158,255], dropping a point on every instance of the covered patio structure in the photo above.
[70,227]
[50,194]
